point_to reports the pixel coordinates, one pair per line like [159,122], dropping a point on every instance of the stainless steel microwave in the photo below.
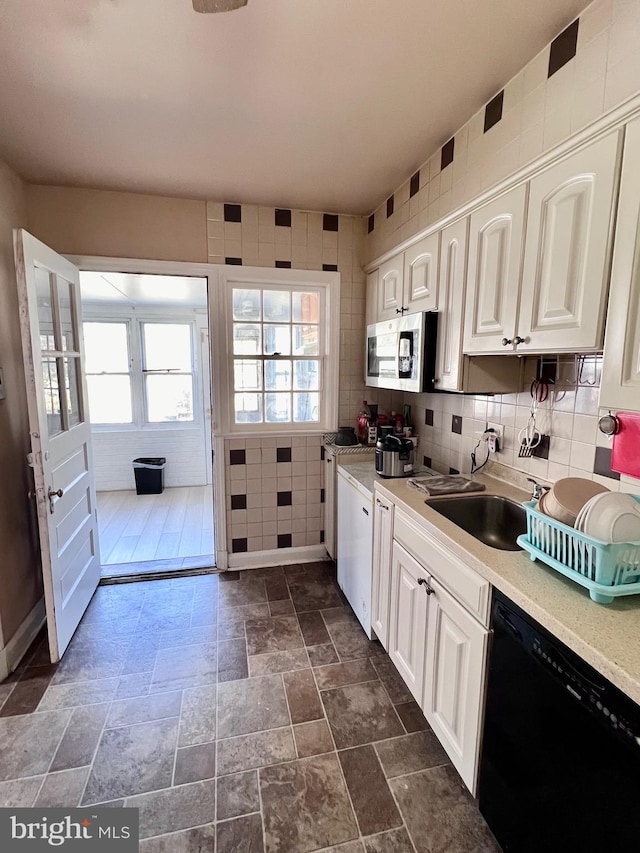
[401,353]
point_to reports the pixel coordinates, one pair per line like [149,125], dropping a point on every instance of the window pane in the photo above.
[305,340]
[167,346]
[246,305]
[169,398]
[278,408]
[305,375]
[106,348]
[246,339]
[109,399]
[306,308]
[306,407]
[72,384]
[67,321]
[45,310]
[277,375]
[247,374]
[277,339]
[277,306]
[248,408]
[52,404]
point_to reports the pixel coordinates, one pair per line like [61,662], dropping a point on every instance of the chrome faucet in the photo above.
[538,489]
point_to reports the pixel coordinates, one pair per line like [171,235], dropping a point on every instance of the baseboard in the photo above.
[277,557]
[16,648]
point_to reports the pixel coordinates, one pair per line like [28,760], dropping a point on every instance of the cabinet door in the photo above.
[451,289]
[381,581]
[421,275]
[371,307]
[566,263]
[390,280]
[454,680]
[408,619]
[330,504]
[354,549]
[620,388]
[493,273]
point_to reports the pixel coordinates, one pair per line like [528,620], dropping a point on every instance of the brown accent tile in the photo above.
[273,662]
[277,589]
[255,750]
[390,677]
[237,795]
[313,738]
[394,841]
[143,709]
[26,695]
[352,643]
[198,715]
[171,809]
[251,705]
[322,655]
[360,713]
[232,660]
[372,800]
[302,695]
[440,814]
[341,674]
[274,634]
[409,753]
[240,834]
[81,738]
[305,805]
[195,763]
[313,629]
[200,839]
[62,790]
[412,717]
[310,593]
[281,608]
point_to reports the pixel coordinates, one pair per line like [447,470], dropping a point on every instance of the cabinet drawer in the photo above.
[471,590]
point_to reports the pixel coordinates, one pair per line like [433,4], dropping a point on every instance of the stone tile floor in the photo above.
[244,712]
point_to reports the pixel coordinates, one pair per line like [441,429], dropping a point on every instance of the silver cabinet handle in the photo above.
[425,583]
[365,510]
[380,504]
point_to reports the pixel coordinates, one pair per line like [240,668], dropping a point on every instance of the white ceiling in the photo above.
[314,104]
[135,290]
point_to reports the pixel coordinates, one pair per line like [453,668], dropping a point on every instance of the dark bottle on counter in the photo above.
[362,425]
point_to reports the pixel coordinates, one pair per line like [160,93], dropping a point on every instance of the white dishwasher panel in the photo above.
[355,543]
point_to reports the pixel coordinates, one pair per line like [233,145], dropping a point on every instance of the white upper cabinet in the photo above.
[620,388]
[372,297]
[496,234]
[453,261]
[408,282]
[567,251]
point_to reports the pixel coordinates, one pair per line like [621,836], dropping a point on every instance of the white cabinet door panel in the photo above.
[390,284]
[330,486]
[381,586]
[451,294]
[495,252]
[567,252]
[408,621]
[454,680]
[421,275]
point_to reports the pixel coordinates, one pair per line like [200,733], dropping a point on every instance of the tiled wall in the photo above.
[275,493]
[590,68]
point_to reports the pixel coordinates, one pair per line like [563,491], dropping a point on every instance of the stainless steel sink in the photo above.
[493,520]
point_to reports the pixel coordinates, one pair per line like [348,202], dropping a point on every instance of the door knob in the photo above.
[506,342]
[51,494]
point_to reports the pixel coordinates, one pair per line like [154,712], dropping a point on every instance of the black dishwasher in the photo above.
[560,767]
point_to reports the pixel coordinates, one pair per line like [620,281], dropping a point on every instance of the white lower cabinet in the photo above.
[437,645]
[456,646]
[381,581]
[354,547]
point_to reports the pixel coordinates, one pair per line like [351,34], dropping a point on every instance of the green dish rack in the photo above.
[606,570]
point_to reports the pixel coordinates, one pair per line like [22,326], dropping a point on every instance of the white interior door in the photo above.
[51,326]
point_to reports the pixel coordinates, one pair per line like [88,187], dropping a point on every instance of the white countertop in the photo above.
[606,636]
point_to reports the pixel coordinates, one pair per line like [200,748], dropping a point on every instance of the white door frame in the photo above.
[95,263]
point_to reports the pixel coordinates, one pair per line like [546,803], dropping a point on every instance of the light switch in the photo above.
[2,393]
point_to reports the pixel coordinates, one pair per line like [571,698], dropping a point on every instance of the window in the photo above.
[139,372]
[282,357]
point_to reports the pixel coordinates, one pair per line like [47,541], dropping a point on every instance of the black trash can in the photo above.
[149,474]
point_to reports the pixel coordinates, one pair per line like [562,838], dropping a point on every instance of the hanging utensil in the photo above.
[529,437]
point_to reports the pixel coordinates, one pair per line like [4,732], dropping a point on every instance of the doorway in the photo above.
[146,344]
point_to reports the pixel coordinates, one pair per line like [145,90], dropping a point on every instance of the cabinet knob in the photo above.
[518,340]
[425,583]
[399,310]
[506,342]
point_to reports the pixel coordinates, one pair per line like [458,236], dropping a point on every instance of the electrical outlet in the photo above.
[495,438]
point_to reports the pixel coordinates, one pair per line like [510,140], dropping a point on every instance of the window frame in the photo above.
[327,285]
[127,324]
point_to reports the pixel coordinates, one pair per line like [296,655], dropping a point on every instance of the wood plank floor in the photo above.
[176,525]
